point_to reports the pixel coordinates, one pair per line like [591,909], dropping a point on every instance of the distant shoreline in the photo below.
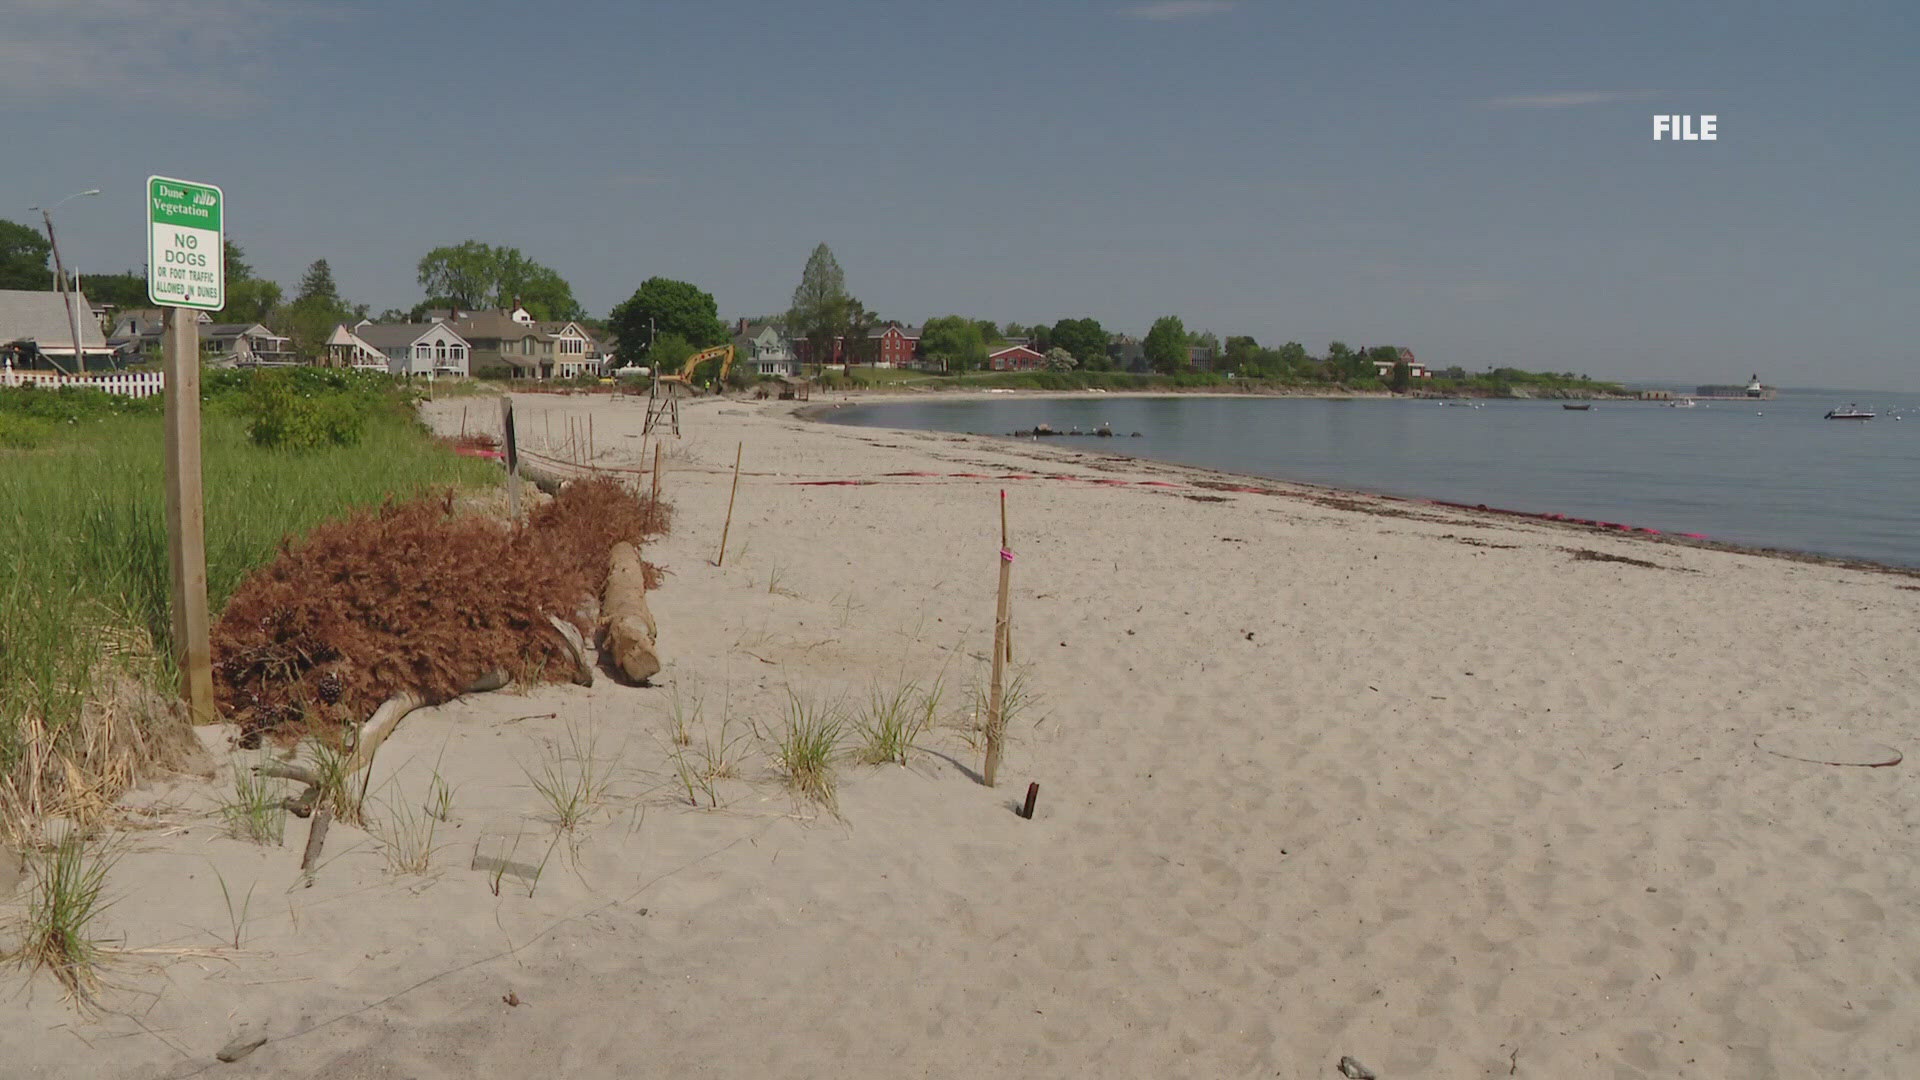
[1035,449]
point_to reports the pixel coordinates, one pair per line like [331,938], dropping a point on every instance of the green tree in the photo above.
[1402,377]
[1059,359]
[819,304]
[1293,358]
[662,306]
[23,258]
[669,353]
[475,275]
[855,323]
[1084,338]
[954,341]
[1166,345]
[1243,354]
[315,310]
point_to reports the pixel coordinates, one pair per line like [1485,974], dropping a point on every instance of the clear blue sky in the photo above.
[1477,180]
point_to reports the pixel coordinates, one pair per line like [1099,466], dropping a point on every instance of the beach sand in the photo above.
[1320,775]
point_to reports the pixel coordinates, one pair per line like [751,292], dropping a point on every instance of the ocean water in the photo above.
[1769,473]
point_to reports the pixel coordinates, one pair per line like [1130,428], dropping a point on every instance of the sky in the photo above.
[1478,181]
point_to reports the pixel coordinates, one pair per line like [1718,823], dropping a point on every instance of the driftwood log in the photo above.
[628,630]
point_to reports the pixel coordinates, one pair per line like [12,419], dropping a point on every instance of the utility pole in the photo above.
[60,276]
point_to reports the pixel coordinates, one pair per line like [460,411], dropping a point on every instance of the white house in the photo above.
[763,350]
[416,348]
[1415,369]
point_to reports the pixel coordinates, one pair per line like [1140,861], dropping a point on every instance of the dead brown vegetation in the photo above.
[416,596]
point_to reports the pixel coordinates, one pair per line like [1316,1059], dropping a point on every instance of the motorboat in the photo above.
[1683,403]
[1851,412]
[1581,407]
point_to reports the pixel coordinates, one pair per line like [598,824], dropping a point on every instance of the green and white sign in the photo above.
[186,263]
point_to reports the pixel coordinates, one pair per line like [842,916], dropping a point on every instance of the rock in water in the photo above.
[1353,1070]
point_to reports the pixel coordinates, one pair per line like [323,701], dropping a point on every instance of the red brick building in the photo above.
[893,345]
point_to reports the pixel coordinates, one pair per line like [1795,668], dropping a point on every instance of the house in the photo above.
[1015,358]
[763,350]
[510,341]
[36,333]
[417,348]
[892,345]
[1200,357]
[1416,369]
[245,343]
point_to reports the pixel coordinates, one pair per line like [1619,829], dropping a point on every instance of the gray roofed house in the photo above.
[35,331]
[418,348]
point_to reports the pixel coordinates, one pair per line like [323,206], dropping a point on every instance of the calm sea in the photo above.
[1772,473]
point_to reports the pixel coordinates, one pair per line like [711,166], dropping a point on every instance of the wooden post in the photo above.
[510,446]
[996,721]
[722,560]
[656,472]
[186,516]
[590,454]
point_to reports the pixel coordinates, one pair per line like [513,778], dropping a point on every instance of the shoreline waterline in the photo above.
[821,412]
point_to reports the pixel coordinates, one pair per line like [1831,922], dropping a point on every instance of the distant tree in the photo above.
[855,324]
[1402,377]
[249,299]
[475,275]
[1013,330]
[315,311]
[818,310]
[393,315]
[1241,354]
[953,341]
[669,353]
[463,274]
[989,333]
[1042,336]
[1059,359]
[1083,338]
[125,290]
[662,306]
[1293,358]
[23,258]
[1166,345]
[1205,339]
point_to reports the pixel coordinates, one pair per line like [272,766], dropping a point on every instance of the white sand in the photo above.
[1416,787]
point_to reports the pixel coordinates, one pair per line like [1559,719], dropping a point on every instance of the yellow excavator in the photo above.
[663,400]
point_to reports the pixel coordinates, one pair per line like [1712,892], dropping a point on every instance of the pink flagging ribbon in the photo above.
[1005,555]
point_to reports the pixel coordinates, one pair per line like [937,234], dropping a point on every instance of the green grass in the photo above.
[573,779]
[805,750]
[893,720]
[69,893]
[83,520]
[254,811]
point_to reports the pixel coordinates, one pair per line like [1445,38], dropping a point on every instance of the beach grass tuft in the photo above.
[804,750]
[573,778]
[67,897]
[254,811]
[892,720]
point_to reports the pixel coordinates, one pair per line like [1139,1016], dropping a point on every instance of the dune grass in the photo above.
[67,896]
[804,750]
[86,585]
[892,720]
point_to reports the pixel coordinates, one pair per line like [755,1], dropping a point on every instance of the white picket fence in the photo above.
[137,384]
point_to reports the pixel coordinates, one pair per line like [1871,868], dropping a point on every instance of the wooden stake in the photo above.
[186,516]
[463,421]
[996,718]
[590,453]
[1033,796]
[656,472]
[722,560]
[1007,617]
[511,447]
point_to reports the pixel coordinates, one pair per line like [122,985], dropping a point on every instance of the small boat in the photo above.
[1851,412]
[1582,407]
[1683,403]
